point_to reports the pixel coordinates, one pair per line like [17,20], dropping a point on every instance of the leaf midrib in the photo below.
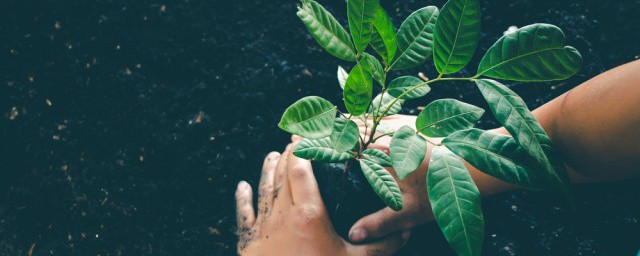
[455,193]
[519,57]
[445,119]
[413,41]
[455,41]
[312,118]
[330,31]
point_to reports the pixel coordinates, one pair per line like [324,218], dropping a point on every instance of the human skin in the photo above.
[595,127]
[292,219]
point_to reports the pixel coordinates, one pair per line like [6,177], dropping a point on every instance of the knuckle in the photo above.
[309,213]
[299,171]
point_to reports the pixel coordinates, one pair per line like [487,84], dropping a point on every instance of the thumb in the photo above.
[378,224]
[387,246]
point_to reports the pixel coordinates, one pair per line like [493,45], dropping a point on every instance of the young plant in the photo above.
[450,35]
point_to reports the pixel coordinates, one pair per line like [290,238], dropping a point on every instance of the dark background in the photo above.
[126,125]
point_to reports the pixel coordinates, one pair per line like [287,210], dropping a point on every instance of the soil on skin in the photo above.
[126,125]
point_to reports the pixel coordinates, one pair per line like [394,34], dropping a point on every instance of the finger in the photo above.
[379,224]
[244,207]
[283,192]
[295,138]
[387,246]
[266,188]
[304,187]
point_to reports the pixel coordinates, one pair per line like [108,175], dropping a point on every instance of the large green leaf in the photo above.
[345,134]
[320,150]
[383,38]
[497,155]
[326,30]
[455,201]
[359,89]
[383,102]
[456,35]
[310,117]
[361,14]
[407,151]
[377,156]
[442,117]
[513,114]
[532,53]
[415,38]
[342,77]
[402,84]
[382,183]
[376,68]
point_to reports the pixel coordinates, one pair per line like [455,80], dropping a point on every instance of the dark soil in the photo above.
[126,125]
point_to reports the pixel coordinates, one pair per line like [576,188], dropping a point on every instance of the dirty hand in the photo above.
[416,208]
[292,219]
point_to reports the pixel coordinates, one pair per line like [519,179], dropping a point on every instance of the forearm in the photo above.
[595,127]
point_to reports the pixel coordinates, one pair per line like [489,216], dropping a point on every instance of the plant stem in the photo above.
[378,118]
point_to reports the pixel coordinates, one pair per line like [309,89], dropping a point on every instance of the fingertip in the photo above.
[295,138]
[405,236]
[357,235]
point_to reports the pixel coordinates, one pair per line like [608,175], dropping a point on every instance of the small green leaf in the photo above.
[326,30]
[361,15]
[383,38]
[407,151]
[497,155]
[320,150]
[358,90]
[378,157]
[382,183]
[513,114]
[377,107]
[342,77]
[456,35]
[310,117]
[345,134]
[531,54]
[376,68]
[455,201]
[402,84]
[442,117]
[415,38]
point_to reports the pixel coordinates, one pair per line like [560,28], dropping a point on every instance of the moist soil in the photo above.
[126,125]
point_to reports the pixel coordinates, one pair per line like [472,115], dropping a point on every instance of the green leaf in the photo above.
[407,151]
[382,183]
[497,155]
[342,77]
[358,90]
[378,157]
[531,54]
[361,14]
[345,134]
[320,150]
[310,117]
[402,84]
[455,201]
[442,117]
[456,35]
[415,38]
[383,38]
[376,68]
[387,101]
[326,30]
[513,114]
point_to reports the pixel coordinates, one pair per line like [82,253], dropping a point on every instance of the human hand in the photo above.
[292,219]
[416,208]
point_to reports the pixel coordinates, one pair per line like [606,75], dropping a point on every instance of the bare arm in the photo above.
[595,127]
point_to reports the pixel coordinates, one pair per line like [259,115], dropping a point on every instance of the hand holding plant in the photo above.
[532,53]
